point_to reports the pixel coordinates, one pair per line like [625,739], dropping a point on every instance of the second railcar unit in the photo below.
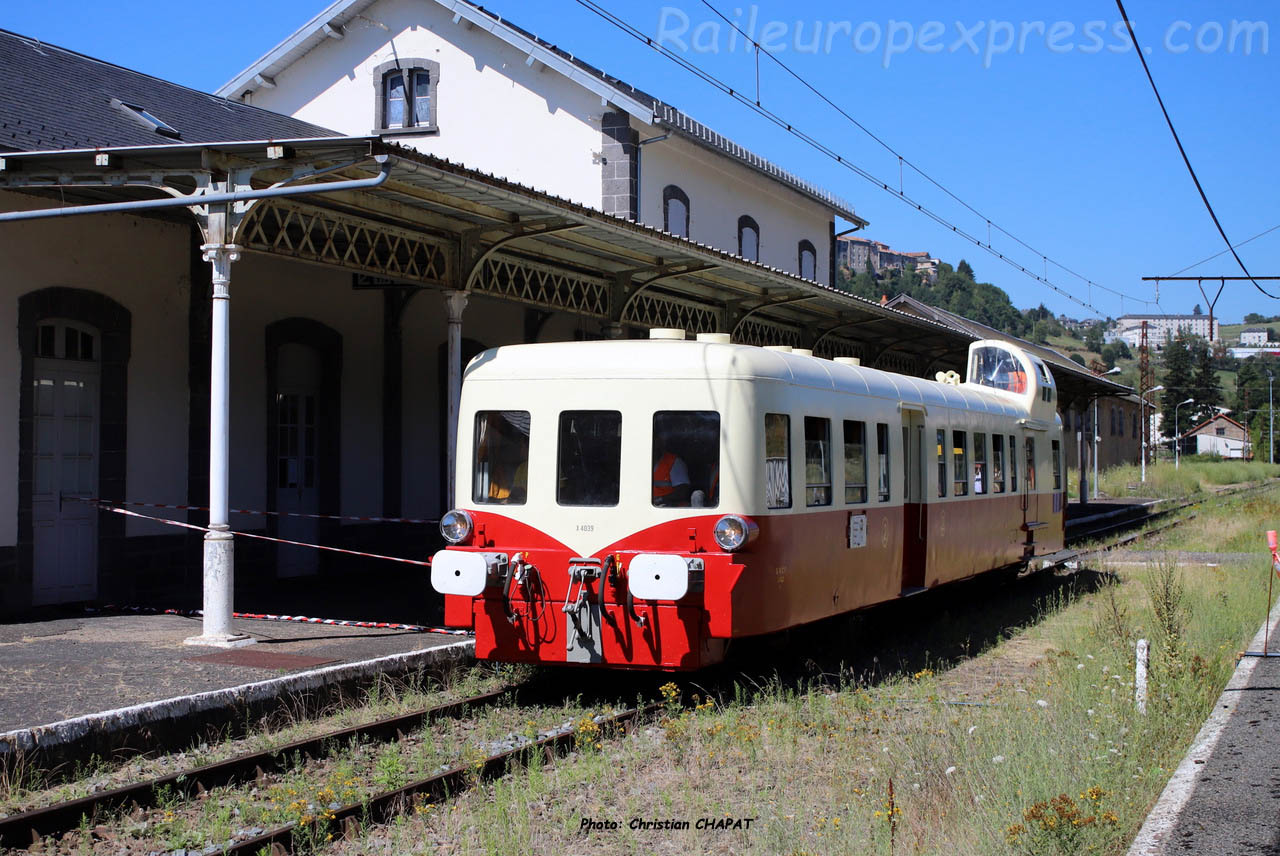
[641,503]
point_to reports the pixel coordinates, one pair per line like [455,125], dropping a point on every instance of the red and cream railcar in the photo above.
[640,503]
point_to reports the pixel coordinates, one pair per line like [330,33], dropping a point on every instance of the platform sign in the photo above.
[857,530]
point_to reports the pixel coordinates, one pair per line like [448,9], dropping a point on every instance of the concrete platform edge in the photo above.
[1177,793]
[95,725]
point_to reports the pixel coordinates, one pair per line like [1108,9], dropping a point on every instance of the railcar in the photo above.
[640,504]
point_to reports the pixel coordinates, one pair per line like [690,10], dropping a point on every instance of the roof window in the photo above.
[145,117]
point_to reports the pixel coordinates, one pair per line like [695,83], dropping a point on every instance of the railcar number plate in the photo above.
[857,530]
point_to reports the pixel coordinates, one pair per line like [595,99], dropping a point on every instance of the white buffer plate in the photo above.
[658,577]
[459,572]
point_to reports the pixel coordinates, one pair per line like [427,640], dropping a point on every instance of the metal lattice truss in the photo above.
[897,362]
[542,285]
[758,331]
[838,346]
[661,310]
[285,229]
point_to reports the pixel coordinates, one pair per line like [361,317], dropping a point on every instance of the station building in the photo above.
[357,270]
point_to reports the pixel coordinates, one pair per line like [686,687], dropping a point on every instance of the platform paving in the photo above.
[62,668]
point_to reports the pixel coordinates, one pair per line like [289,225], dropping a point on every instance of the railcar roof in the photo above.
[640,359]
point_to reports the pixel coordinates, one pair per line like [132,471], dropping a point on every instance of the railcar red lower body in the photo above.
[801,568]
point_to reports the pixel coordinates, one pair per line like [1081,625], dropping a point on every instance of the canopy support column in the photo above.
[454,302]
[219,543]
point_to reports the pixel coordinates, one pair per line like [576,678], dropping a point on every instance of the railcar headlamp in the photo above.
[456,526]
[733,532]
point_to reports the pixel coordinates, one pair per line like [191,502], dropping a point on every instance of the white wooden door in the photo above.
[64,465]
[296,473]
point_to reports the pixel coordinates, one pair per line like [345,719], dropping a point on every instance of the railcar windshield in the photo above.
[589,457]
[686,458]
[997,368]
[501,470]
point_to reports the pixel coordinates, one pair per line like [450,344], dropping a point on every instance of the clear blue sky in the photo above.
[1063,146]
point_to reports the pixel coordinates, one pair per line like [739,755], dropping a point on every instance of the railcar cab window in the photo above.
[942,462]
[589,457]
[501,470]
[959,450]
[882,457]
[855,461]
[686,458]
[997,368]
[997,463]
[777,460]
[979,462]
[1046,380]
[817,461]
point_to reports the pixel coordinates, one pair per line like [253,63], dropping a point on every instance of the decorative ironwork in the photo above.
[838,346]
[285,229]
[653,309]
[542,285]
[896,361]
[758,331]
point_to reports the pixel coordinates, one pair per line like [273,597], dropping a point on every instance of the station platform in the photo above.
[97,682]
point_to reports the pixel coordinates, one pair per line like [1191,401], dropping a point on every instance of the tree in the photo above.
[1196,310]
[1076,358]
[1177,382]
[1204,380]
[966,271]
[1255,318]
[1093,338]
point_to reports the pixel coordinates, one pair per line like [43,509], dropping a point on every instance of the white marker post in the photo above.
[1140,678]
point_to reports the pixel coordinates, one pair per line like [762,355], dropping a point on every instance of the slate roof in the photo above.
[39,111]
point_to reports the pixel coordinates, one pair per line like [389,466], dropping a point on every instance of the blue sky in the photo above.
[1057,139]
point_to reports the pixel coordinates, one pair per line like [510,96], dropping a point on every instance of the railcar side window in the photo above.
[961,469]
[1057,465]
[997,368]
[589,457]
[979,462]
[997,463]
[501,471]
[942,462]
[855,461]
[882,452]
[1031,463]
[817,461]
[1013,464]
[777,460]
[686,458]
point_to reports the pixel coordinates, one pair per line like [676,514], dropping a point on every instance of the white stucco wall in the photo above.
[143,265]
[721,190]
[495,113]
[265,289]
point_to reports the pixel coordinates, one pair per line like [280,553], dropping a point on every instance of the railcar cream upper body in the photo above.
[536,385]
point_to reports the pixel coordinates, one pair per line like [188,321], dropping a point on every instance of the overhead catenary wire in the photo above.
[1261,234]
[826,150]
[905,161]
[1182,151]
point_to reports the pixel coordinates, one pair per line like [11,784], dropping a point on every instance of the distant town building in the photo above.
[1160,327]
[863,255]
[1221,436]
[1253,336]
[1247,353]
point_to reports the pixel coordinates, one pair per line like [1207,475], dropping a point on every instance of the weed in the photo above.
[389,770]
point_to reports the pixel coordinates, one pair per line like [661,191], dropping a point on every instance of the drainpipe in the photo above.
[639,162]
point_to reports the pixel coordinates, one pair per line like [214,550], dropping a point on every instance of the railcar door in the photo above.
[1031,485]
[915,526]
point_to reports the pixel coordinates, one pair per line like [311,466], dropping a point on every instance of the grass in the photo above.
[1045,754]
[1194,475]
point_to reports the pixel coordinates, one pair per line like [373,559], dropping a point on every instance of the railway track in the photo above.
[22,831]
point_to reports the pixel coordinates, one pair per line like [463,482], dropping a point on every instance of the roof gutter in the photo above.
[384,162]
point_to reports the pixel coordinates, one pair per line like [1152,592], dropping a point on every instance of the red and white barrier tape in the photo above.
[424,563]
[266,616]
[254,513]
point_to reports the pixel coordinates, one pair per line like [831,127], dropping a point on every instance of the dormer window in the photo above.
[406,96]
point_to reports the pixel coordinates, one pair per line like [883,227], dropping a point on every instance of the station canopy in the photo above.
[439,225]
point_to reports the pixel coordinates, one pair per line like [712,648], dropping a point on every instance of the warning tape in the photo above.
[251,512]
[423,563]
[266,616]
